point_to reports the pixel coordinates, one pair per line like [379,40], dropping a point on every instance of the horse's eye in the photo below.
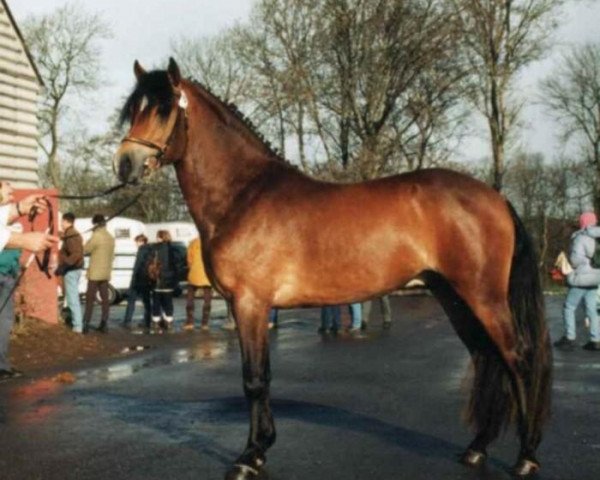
[143,103]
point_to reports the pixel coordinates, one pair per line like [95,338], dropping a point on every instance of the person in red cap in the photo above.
[583,283]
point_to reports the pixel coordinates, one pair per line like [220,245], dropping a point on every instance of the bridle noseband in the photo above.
[162,149]
[147,143]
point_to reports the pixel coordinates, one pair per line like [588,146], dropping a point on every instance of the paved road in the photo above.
[383,407]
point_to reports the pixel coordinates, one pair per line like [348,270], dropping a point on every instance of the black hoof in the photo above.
[241,472]
[526,467]
[473,458]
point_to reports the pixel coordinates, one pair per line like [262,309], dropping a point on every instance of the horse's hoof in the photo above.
[473,458]
[241,472]
[525,467]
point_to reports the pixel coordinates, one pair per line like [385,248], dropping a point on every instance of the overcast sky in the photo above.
[143,29]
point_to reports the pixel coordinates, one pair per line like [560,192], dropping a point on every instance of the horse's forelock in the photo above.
[156,87]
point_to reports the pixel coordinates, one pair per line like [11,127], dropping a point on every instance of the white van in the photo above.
[183,232]
[124,230]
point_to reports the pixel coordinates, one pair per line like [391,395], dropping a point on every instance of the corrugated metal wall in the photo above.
[19,87]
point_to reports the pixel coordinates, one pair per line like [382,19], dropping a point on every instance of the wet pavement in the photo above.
[385,406]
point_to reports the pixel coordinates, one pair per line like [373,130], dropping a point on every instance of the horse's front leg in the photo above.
[251,318]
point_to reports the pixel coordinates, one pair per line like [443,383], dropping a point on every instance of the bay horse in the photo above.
[274,237]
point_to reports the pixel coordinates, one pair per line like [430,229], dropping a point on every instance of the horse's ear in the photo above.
[138,70]
[174,73]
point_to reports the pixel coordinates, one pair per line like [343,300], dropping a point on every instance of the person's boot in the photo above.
[592,346]
[205,316]
[103,327]
[189,320]
[565,344]
[9,374]
[168,324]
[189,316]
[155,327]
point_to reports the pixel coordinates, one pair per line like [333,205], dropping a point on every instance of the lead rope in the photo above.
[43,264]
[91,196]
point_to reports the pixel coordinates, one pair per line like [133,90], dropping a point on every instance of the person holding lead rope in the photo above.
[32,241]
[10,211]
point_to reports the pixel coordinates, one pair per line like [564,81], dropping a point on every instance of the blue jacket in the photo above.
[581,252]
[9,262]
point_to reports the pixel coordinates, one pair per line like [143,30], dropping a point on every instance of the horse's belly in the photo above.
[345,276]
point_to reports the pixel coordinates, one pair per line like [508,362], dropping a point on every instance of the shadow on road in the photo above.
[194,424]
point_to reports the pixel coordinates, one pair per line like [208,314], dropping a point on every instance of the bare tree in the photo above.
[572,95]
[248,81]
[65,46]
[348,76]
[213,61]
[501,37]
[380,51]
[279,47]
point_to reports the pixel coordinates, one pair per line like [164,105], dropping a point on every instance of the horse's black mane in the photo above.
[233,108]
[155,86]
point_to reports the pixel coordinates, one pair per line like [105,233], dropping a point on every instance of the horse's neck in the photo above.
[216,169]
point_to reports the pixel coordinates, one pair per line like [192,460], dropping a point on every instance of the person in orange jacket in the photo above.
[197,278]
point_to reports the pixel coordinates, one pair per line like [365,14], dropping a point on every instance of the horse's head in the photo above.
[156,111]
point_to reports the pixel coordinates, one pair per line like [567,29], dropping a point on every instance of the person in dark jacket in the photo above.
[70,264]
[140,284]
[172,268]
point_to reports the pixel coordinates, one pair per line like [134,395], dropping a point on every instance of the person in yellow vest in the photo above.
[197,278]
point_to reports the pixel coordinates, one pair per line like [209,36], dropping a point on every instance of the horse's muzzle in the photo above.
[128,165]
[125,167]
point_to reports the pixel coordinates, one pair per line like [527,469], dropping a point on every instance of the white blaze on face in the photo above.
[143,103]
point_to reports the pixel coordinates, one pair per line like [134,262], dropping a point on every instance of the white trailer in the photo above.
[183,232]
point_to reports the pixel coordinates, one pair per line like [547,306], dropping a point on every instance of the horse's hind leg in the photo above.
[499,389]
[489,405]
[251,318]
[503,381]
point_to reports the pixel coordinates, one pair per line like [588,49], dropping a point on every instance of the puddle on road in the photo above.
[28,403]
[130,366]
[32,402]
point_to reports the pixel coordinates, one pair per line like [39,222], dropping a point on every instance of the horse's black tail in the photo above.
[527,307]
[494,401]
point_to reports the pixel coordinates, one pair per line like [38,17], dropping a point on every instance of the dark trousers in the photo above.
[189,306]
[90,296]
[134,294]
[162,302]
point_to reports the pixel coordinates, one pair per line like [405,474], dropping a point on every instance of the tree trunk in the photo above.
[300,132]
